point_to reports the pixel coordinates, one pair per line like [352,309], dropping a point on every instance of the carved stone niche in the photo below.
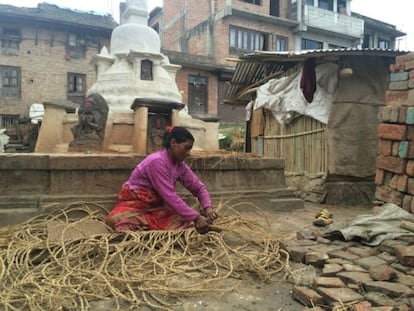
[157,125]
[89,132]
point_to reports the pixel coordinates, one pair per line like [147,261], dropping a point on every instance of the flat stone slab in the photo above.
[343,295]
[370,261]
[355,277]
[389,288]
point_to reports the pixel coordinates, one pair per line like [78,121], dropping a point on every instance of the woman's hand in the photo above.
[201,224]
[210,213]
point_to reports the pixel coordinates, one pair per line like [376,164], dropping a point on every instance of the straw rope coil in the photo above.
[152,268]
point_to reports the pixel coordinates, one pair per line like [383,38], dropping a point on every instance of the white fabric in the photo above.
[36,112]
[374,229]
[285,98]
[4,139]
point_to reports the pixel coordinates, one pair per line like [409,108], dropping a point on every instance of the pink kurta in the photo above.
[159,173]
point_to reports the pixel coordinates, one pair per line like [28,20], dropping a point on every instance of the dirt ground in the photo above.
[275,295]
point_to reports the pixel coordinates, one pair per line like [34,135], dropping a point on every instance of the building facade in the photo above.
[207,37]
[46,55]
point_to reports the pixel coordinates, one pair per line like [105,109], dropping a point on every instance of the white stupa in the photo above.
[120,78]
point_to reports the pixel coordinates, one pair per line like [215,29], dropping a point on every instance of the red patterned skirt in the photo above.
[143,209]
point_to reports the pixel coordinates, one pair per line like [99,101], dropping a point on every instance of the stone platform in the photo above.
[33,183]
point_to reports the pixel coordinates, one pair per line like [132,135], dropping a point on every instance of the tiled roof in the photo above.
[52,13]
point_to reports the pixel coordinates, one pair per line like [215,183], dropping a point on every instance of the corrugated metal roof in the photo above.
[255,69]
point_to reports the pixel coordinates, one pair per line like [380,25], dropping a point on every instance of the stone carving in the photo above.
[4,139]
[157,128]
[89,132]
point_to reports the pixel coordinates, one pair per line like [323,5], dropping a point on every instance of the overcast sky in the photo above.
[396,12]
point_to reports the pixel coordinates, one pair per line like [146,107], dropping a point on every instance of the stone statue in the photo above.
[4,140]
[156,132]
[90,130]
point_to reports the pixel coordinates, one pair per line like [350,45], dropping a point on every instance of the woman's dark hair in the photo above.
[181,134]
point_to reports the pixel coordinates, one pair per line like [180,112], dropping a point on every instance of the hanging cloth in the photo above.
[308,80]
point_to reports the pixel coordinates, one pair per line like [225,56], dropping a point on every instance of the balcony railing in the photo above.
[331,21]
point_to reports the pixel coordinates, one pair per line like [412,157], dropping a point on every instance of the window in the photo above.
[383,43]
[275,7]
[326,4]
[10,41]
[75,46]
[310,2]
[257,2]
[281,43]
[247,40]
[341,7]
[76,87]
[311,45]
[367,41]
[197,94]
[9,81]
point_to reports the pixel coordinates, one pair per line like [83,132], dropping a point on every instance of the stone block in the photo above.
[391,289]
[410,98]
[315,258]
[410,186]
[343,254]
[406,150]
[395,148]
[307,296]
[387,257]
[370,261]
[382,273]
[353,268]
[390,246]
[385,114]
[361,306]
[331,269]
[354,277]
[409,65]
[392,131]
[329,282]
[391,164]
[405,255]
[343,295]
[362,251]
[411,83]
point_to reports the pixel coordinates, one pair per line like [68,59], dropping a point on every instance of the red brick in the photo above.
[382,273]
[410,186]
[410,132]
[392,131]
[395,148]
[386,194]
[402,183]
[384,147]
[307,296]
[392,97]
[387,177]
[403,115]
[391,164]
[394,182]
[379,177]
[397,68]
[409,65]
[411,83]
[409,170]
[406,204]
[411,74]
[385,114]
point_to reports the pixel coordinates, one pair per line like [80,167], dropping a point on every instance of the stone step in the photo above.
[11,216]
[287,204]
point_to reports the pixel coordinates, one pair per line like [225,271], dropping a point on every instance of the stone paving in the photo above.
[340,275]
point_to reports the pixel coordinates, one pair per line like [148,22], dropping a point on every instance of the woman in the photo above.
[148,200]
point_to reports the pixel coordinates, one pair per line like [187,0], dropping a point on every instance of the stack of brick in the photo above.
[395,161]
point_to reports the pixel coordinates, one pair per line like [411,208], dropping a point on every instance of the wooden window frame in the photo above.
[10,79]
[193,82]
[10,40]
[76,87]
[281,39]
[247,40]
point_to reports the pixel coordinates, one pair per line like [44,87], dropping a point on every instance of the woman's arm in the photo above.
[158,174]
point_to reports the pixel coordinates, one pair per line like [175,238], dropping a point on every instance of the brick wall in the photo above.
[44,68]
[395,161]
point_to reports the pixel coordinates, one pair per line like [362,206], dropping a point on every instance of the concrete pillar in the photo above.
[51,129]
[335,5]
[139,143]
[175,120]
